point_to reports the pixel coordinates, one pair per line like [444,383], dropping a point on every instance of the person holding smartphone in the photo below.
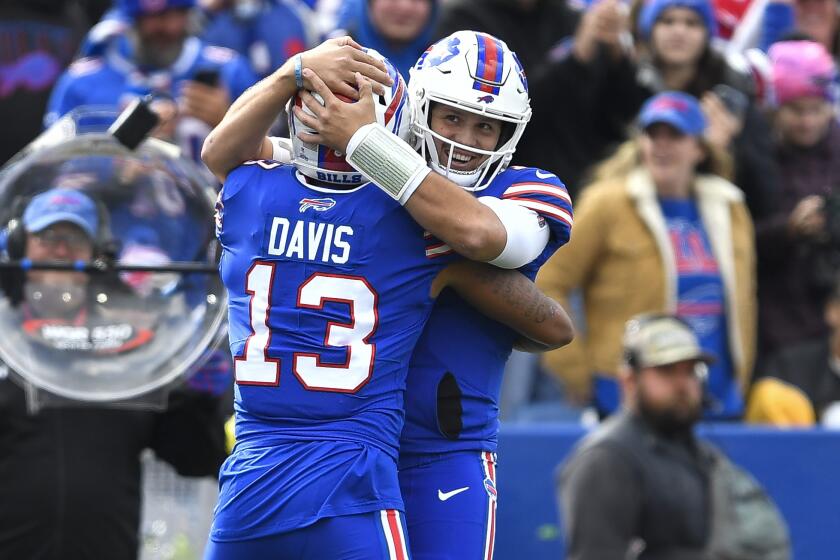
[193,83]
[672,48]
[798,245]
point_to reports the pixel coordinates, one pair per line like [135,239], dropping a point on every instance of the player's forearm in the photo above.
[546,326]
[457,218]
[478,230]
[508,297]
[241,136]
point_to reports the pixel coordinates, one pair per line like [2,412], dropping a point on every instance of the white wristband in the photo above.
[389,162]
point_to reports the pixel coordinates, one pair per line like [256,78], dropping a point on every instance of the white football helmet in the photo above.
[478,73]
[324,164]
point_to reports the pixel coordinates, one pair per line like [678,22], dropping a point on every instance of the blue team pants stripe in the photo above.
[393,528]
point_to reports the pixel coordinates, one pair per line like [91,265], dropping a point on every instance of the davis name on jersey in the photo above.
[462,413]
[328,292]
[310,241]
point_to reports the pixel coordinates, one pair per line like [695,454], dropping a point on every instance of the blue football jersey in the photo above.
[114,80]
[472,348]
[328,293]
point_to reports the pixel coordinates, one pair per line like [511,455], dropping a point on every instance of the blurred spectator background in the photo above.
[37,41]
[800,384]
[400,30]
[153,51]
[664,206]
[660,229]
[798,243]
[617,63]
[266,32]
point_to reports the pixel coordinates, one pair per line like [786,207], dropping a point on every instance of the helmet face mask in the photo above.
[497,159]
[473,72]
[325,165]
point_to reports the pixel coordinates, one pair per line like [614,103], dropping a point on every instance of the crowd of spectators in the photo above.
[662,217]
[752,281]
[698,138]
[745,248]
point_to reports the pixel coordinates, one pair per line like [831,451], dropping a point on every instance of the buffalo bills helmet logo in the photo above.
[440,55]
[486,99]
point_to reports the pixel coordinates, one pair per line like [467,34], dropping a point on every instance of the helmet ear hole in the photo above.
[381,100]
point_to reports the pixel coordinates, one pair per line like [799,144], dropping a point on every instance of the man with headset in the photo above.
[65,225]
[70,475]
[57,225]
[642,475]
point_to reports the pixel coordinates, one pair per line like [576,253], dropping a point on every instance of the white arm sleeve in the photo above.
[281,149]
[527,232]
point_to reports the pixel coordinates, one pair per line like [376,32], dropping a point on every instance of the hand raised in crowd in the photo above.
[807,218]
[336,62]
[723,126]
[335,121]
[206,103]
[604,23]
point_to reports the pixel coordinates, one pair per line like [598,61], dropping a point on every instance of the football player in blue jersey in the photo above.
[330,283]
[471,106]
[193,82]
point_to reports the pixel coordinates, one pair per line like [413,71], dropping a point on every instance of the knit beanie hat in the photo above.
[801,69]
[653,9]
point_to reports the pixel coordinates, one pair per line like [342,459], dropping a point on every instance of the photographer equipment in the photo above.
[135,123]
[108,327]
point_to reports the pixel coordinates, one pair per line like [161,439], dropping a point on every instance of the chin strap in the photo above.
[466,180]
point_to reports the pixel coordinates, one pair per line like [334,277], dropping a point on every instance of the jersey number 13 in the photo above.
[255,367]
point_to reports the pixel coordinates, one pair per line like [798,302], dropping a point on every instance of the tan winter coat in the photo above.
[621,258]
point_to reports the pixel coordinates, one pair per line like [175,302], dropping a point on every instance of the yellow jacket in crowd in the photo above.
[620,255]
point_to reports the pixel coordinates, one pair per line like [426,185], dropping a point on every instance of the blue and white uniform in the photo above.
[448,445]
[329,291]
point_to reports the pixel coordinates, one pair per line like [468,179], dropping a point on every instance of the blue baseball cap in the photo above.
[653,9]
[61,205]
[680,110]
